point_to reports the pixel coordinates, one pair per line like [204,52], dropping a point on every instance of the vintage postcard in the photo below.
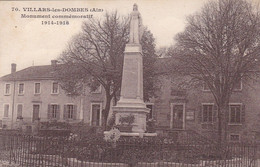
[130,83]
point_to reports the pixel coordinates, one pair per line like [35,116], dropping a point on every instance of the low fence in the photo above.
[29,151]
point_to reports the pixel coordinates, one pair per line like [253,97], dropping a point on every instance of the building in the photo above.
[195,109]
[32,95]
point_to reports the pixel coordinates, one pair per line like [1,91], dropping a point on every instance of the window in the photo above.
[37,88]
[70,110]
[53,111]
[6,110]
[7,89]
[205,87]
[21,89]
[178,92]
[19,111]
[238,85]
[234,137]
[55,88]
[235,114]
[207,113]
[98,90]
[207,80]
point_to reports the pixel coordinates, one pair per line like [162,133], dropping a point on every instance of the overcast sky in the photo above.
[26,42]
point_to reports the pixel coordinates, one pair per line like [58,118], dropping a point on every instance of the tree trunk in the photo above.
[220,125]
[115,99]
[225,122]
[220,131]
[107,107]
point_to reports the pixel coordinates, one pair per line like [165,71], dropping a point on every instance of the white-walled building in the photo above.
[32,94]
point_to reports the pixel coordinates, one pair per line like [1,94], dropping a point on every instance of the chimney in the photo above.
[54,62]
[13,68]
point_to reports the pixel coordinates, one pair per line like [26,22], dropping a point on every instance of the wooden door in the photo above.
[36,111]
[95,115]
[177,116]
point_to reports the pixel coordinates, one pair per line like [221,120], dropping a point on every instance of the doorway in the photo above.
[36,112]
[96,114]
[177,116]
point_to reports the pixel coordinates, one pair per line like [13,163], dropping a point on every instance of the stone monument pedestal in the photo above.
[131,99]
[131,107]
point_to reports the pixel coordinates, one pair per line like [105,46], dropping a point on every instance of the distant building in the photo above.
[196,109]
[32,95]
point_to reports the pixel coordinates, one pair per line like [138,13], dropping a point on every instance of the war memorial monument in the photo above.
[131,101]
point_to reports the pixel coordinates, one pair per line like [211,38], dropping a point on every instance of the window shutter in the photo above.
[215,113]
[49,112]
[200,114]
[75,112]
[65,112]
[58,112]
[243,114]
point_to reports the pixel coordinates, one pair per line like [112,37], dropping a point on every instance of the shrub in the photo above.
[54,125]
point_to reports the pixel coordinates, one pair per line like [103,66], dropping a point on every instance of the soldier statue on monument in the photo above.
[136,26]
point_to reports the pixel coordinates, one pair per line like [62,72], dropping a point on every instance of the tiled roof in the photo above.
[47,71]
[31,73]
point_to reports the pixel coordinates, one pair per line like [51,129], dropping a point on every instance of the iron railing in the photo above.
[33,151]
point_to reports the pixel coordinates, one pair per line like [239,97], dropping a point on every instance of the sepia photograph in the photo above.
[130,83]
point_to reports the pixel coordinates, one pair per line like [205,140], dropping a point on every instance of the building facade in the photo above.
[195,109]
[33,95]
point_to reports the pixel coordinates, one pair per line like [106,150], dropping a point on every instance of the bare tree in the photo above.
[219,47]
[95,57]
[151,81]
